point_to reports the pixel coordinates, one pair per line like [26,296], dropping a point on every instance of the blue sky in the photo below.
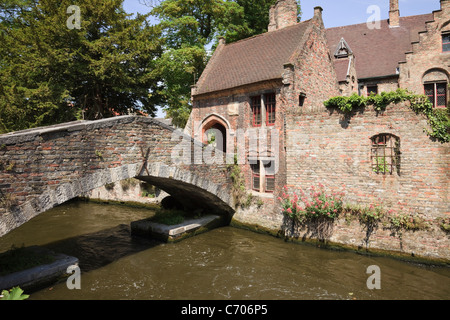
[335,12]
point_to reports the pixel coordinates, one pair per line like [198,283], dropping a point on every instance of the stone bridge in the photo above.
[44,167]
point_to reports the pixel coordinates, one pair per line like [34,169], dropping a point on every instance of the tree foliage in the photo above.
[50,73]
[191,29]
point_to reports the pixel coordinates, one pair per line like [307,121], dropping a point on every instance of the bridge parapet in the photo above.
[44,167]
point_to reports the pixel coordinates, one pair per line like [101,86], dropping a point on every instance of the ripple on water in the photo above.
[225,263]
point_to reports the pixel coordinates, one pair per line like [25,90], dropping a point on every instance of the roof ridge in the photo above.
[363,23]
[267,33]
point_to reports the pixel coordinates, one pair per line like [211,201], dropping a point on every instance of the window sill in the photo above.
[262,194]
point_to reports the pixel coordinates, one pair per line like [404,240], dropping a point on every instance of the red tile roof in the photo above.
[251,60]
[378,51]
[262,57]
[341,66]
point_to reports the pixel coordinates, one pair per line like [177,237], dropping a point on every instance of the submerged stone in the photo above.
[189,227]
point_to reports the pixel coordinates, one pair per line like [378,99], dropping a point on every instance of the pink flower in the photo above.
[289,210]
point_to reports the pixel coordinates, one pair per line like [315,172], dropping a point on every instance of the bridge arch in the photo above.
[46,167]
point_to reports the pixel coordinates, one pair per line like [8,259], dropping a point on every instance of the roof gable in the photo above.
[256,59]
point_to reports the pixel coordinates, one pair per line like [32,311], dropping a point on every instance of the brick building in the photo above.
[280,79]
[408,52]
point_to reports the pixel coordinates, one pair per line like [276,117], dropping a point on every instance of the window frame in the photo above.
[434,98]
[256,174]
[268,177]
[369,92]
[267,185]
[256,108]
[271,108]
[444,44]
[386,161]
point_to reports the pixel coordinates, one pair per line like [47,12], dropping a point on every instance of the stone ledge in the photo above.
[177,232]
[41,275]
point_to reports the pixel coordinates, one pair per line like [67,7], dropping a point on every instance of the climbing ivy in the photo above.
[438,119]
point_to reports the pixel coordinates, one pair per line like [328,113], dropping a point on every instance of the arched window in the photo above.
[385,154]
[435,83]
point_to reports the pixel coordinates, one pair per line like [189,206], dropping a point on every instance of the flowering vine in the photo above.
[318,205]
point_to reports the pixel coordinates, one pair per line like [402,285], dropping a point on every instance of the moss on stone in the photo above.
[330,245]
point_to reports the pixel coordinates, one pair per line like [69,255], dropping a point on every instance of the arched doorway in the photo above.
[214,132]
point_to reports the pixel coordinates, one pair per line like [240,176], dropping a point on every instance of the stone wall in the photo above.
[129,190]
[383,85]
[44,167]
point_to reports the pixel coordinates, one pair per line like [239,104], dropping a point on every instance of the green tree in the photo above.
[191,29]
[256,17]
[50,73]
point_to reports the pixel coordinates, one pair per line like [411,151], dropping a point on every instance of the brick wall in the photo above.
[314,70]
[426,54]
[335,151]
[325,147]
[282,14]
[45,167]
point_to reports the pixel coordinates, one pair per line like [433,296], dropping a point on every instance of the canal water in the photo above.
[226,263]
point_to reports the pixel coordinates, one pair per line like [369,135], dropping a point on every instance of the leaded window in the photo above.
[436,93]
[446,42]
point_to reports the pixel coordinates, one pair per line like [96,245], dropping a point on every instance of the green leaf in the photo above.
[14,294]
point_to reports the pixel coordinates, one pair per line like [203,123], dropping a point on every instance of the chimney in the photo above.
[318,11]
[283,14]
[394,14]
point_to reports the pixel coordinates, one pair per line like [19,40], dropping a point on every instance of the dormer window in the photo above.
[446,42]
[343,50]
